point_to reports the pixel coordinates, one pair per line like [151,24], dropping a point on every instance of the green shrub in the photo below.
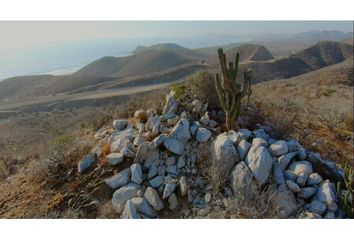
[179,89]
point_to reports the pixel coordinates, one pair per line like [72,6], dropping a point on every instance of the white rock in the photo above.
[259,141]
[234,137]
[197,105]
[152,197]
[205,119]
[120,179]
[243,148]
[301,167]
[278,148]
[183,187]
[203,135]
[285,203]
[207,197]
[138,140]
[260,163]
[143,207]
[114,158]
[285,159]
[136,173]
[130,211]
[120,124]
[169,188]
[327,195]
[171,105]
[241,180]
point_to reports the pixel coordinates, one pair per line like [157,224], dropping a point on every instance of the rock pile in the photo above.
[161,152]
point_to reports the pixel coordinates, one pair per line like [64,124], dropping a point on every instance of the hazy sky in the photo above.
[17,36]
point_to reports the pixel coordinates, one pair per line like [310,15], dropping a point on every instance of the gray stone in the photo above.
[120,179]
[156,181]
[243,148]
[172,201]
[282,187]
[261,133]
[181,131]
[213,123]
[329,215]
[318,207]
[260,163]
[301,153]
[136,173]
[259,141]
[152,197]
[205,119]
[169,188]
[193,129]
[174,145]
[120,124]
[207,197]
[327,169]
[203,135]
[301,179]
[241,180]
[140,193]
[306,192]
[285,159]
[121,196]
[226,154]
[293,145]
[278,174]
[130,211]
[161,170]
[244,133]
[127,152]
[314,179]
[290,175]
[86,163]
[170,161]
[326,194]
[171,105]
[271,141]
[181,162]
[301,167]
[278,148]
[114,158]
[173,170]
[197,105]
[152,172]
[293,186]
[285,203]
[143,207]
[183,187]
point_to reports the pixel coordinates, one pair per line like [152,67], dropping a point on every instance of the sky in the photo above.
[19,36]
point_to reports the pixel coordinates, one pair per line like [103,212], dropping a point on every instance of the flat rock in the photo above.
[278,148]
[121,196]
[156,181]
[114,158]
[260,163]
[306,192]
[174,145]
[293,186]
[301,167]
[86,163]
[120,179]
[152,197]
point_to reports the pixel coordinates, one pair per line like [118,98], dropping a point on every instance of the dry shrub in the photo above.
[106,211]
[254,207]
[105,150]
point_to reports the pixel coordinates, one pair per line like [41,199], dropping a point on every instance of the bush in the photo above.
[179,89]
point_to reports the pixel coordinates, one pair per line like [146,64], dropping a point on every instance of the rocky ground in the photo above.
[180,164]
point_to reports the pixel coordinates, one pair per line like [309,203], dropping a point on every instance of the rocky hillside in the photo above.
[179,164]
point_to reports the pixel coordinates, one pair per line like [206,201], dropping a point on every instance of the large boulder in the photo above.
[260,162]
[152,197]
[285,203]
[241,181]
[122,195]
[226,156]
[120,179]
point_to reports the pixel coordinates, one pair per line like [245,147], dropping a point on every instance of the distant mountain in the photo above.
[145,60]
[320,55]
[322,36]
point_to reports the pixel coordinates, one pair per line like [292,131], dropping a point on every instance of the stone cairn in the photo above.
[164,171]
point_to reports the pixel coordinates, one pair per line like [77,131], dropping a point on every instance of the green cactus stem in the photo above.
[229,91]
[345,191]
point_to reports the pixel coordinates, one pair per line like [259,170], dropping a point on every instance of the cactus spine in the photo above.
[345,192]
[229,91]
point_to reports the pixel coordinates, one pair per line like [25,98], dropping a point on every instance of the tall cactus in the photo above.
[229,91]
[345,193]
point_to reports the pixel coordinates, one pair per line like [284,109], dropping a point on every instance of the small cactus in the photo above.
[345,192]
[229,91]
